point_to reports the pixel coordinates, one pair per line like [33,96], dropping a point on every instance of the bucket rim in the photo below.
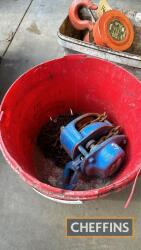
[54,191]
[72,56]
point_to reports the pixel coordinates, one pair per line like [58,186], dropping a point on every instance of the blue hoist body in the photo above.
[90,154]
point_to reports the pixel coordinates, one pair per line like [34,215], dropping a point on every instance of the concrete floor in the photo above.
[27,220]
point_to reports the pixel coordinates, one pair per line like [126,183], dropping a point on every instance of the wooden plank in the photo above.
[11,13]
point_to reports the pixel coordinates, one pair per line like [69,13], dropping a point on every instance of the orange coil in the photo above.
[114,30]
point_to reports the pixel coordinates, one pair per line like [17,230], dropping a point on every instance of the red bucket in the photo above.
[86,85]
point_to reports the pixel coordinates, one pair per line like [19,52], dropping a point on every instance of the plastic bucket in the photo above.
[86,85]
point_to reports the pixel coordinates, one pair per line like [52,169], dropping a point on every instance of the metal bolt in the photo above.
[91,160]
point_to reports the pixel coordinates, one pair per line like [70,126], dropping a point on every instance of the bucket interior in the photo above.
[81,83]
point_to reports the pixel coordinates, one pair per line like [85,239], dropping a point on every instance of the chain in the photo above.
[112,132]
